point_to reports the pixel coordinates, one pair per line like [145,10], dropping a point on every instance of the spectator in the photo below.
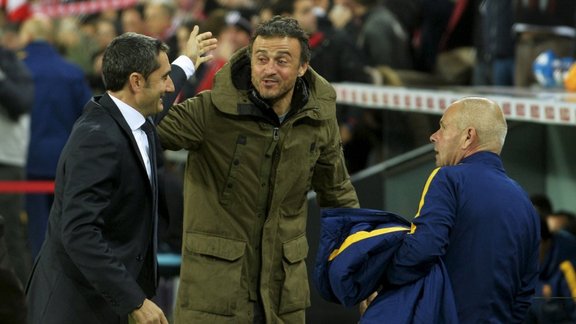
[494,44]
[233,32]
[60,92]
[381,37]
[553,302]
[75,44]
[435,17]
[9,36]
[105,33]
[562,220]
[160,23]
[542,204]
[132,20]
[16,99]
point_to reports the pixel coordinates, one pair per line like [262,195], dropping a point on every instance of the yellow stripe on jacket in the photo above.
[422,198]
[362,235]
[570,275]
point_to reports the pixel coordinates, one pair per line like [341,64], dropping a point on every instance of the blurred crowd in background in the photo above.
[391,42]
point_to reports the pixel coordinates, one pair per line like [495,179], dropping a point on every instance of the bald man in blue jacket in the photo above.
[475,218]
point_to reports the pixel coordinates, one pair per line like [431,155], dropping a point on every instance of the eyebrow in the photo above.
[279,53]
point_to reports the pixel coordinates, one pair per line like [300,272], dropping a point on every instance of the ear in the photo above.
[470,137]
[136,81]
[302,69]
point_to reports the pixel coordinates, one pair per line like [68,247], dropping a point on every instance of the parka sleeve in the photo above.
[330,179]
[184,124]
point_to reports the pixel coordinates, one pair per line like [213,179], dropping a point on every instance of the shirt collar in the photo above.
[132,116]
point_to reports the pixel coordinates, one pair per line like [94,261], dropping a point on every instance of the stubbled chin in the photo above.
[267,94]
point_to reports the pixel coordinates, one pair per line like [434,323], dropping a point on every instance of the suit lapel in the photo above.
[108,104]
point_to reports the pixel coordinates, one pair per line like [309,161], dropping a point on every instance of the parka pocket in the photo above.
[213,270]
[295,291]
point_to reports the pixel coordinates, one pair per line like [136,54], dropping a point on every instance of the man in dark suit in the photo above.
[98,262]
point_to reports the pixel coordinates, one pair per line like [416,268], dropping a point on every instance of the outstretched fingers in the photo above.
[199,44]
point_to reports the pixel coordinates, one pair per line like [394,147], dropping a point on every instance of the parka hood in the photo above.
[232,87]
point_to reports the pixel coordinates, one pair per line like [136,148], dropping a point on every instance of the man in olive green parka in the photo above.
[258,142]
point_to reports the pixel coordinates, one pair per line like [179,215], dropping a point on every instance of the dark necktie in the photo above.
[148,128]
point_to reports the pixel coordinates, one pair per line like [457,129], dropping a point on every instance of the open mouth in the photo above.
[269,82]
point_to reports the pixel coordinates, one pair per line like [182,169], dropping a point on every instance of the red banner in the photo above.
[26,187]
[81,8]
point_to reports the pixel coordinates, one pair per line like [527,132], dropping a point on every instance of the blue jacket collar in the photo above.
[484,157]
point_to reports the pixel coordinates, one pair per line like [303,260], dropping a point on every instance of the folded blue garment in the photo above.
[356,246]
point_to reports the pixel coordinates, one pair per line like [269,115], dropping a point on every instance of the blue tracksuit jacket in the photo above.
[483,226]
[355,247]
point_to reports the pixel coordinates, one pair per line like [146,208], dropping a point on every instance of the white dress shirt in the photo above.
[135,120]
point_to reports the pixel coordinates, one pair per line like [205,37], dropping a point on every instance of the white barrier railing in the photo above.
[539,106]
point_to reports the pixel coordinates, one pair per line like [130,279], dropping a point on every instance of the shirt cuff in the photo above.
[185,63]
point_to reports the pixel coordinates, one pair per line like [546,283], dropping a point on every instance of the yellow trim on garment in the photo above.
[424,192]
[359,236]
[570,275]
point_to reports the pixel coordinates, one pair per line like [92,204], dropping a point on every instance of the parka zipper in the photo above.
[272,154]
[275,137]
[276,132]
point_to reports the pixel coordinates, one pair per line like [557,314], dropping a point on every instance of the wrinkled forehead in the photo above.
[451,113]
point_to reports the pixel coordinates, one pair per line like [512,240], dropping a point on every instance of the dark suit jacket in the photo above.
[97,262]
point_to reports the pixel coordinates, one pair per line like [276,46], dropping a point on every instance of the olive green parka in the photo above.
[246,181]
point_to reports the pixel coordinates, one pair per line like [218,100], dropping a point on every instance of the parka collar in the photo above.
[299,100]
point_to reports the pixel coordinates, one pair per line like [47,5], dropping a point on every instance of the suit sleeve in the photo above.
[91,175]
[429,236]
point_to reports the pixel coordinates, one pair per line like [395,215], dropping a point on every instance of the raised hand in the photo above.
[199,45]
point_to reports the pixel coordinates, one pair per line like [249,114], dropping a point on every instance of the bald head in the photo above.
[37,28]
[486,117]
[468,126]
